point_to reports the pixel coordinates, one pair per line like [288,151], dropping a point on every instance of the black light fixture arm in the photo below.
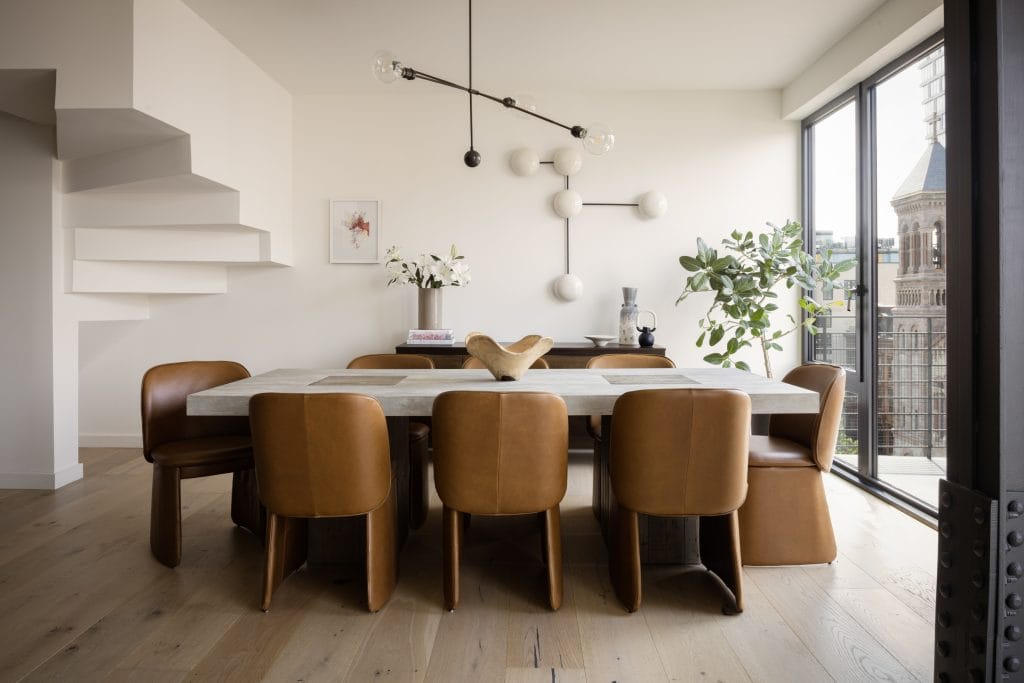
[410,74]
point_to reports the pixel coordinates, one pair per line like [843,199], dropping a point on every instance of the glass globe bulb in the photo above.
[386,68]
[599,139]
[525,101]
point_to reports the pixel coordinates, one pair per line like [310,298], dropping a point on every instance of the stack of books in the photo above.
[434,337]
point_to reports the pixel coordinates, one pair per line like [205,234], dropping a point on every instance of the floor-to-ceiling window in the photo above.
[875,190]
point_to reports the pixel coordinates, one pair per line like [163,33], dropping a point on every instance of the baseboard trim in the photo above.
[110,440]
[41,480]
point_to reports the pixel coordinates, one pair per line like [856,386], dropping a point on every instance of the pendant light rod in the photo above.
[596,137]
[410,74]
[470,94]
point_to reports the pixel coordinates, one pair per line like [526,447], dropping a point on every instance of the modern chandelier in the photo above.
[596,138]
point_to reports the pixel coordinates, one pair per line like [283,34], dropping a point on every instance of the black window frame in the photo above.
[863,96]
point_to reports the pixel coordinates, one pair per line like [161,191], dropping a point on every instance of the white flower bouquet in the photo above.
[428,271]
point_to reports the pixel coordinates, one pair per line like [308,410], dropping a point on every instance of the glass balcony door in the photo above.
[874,190]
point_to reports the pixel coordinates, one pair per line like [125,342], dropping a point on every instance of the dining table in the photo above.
[405,394]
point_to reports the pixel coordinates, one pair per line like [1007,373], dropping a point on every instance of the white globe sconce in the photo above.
[567,161]
[524,161]
[567,287]
[567,203]
[652,205]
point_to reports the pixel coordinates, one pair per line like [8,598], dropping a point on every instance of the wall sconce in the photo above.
[596,138]
[567,203]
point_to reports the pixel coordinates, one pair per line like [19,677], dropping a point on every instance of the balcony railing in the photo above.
[910,383]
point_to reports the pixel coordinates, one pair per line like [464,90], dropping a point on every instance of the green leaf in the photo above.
[714,358]
[741,365]
[716,335]
[721,263]
[700,340]
[689,263]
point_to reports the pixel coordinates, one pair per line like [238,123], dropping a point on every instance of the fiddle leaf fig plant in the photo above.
[742,279]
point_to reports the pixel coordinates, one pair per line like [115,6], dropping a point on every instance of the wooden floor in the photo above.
[82,599]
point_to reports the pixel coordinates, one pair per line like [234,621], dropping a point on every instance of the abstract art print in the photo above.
[355,231]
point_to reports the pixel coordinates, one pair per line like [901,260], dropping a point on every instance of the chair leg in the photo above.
[419,480]
[720,553]
[452,542]
[246,509]
[284,553]
[553,555]
[624,559]
[381,555]
[165,516]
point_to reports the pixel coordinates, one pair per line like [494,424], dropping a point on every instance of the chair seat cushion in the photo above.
[203,451]
[418,431]
[772,451]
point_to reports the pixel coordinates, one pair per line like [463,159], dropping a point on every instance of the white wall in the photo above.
[238,118]
[26,408]
[892,29]
[723,159]
[89,43]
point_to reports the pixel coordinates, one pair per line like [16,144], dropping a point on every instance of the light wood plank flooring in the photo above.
[82,599]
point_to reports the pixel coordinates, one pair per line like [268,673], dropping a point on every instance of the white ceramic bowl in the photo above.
[600,339]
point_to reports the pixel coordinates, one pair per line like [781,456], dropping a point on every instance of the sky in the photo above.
[901,143]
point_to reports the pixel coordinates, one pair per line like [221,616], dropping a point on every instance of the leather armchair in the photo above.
[679,452]
[183,447]
[324,455]
[785,519]
[500,453]
[419,431]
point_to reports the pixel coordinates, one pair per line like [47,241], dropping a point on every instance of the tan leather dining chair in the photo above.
[474,363]
[419,431]
[679,452]
[593,424]
[785,519]
[324,455]
[184,447]
[500,453]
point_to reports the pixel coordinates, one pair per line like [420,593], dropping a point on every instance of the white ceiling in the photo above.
[325,46]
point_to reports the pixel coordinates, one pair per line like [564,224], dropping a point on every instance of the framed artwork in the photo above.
[355,231]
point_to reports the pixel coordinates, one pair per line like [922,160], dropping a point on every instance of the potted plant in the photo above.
[743,279]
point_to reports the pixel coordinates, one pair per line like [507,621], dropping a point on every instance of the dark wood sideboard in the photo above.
[561,355]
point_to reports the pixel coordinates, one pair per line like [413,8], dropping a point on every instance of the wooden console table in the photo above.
[561,356]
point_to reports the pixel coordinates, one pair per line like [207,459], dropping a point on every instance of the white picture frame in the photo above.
[355,231]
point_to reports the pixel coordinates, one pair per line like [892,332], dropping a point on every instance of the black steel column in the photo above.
[980,604]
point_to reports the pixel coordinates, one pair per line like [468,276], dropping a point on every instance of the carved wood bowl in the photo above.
[507,363]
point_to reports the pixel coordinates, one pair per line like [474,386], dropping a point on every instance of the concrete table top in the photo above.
[586,392]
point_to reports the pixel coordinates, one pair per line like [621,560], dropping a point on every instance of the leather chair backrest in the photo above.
[630,360]
[391,361]
[817,432]
[165,389]
[320,455]
[680,451]
[500,452]
[474,363]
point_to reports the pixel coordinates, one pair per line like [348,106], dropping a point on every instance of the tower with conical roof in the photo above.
[920,205]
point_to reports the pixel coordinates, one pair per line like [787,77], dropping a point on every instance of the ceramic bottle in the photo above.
[627,318]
